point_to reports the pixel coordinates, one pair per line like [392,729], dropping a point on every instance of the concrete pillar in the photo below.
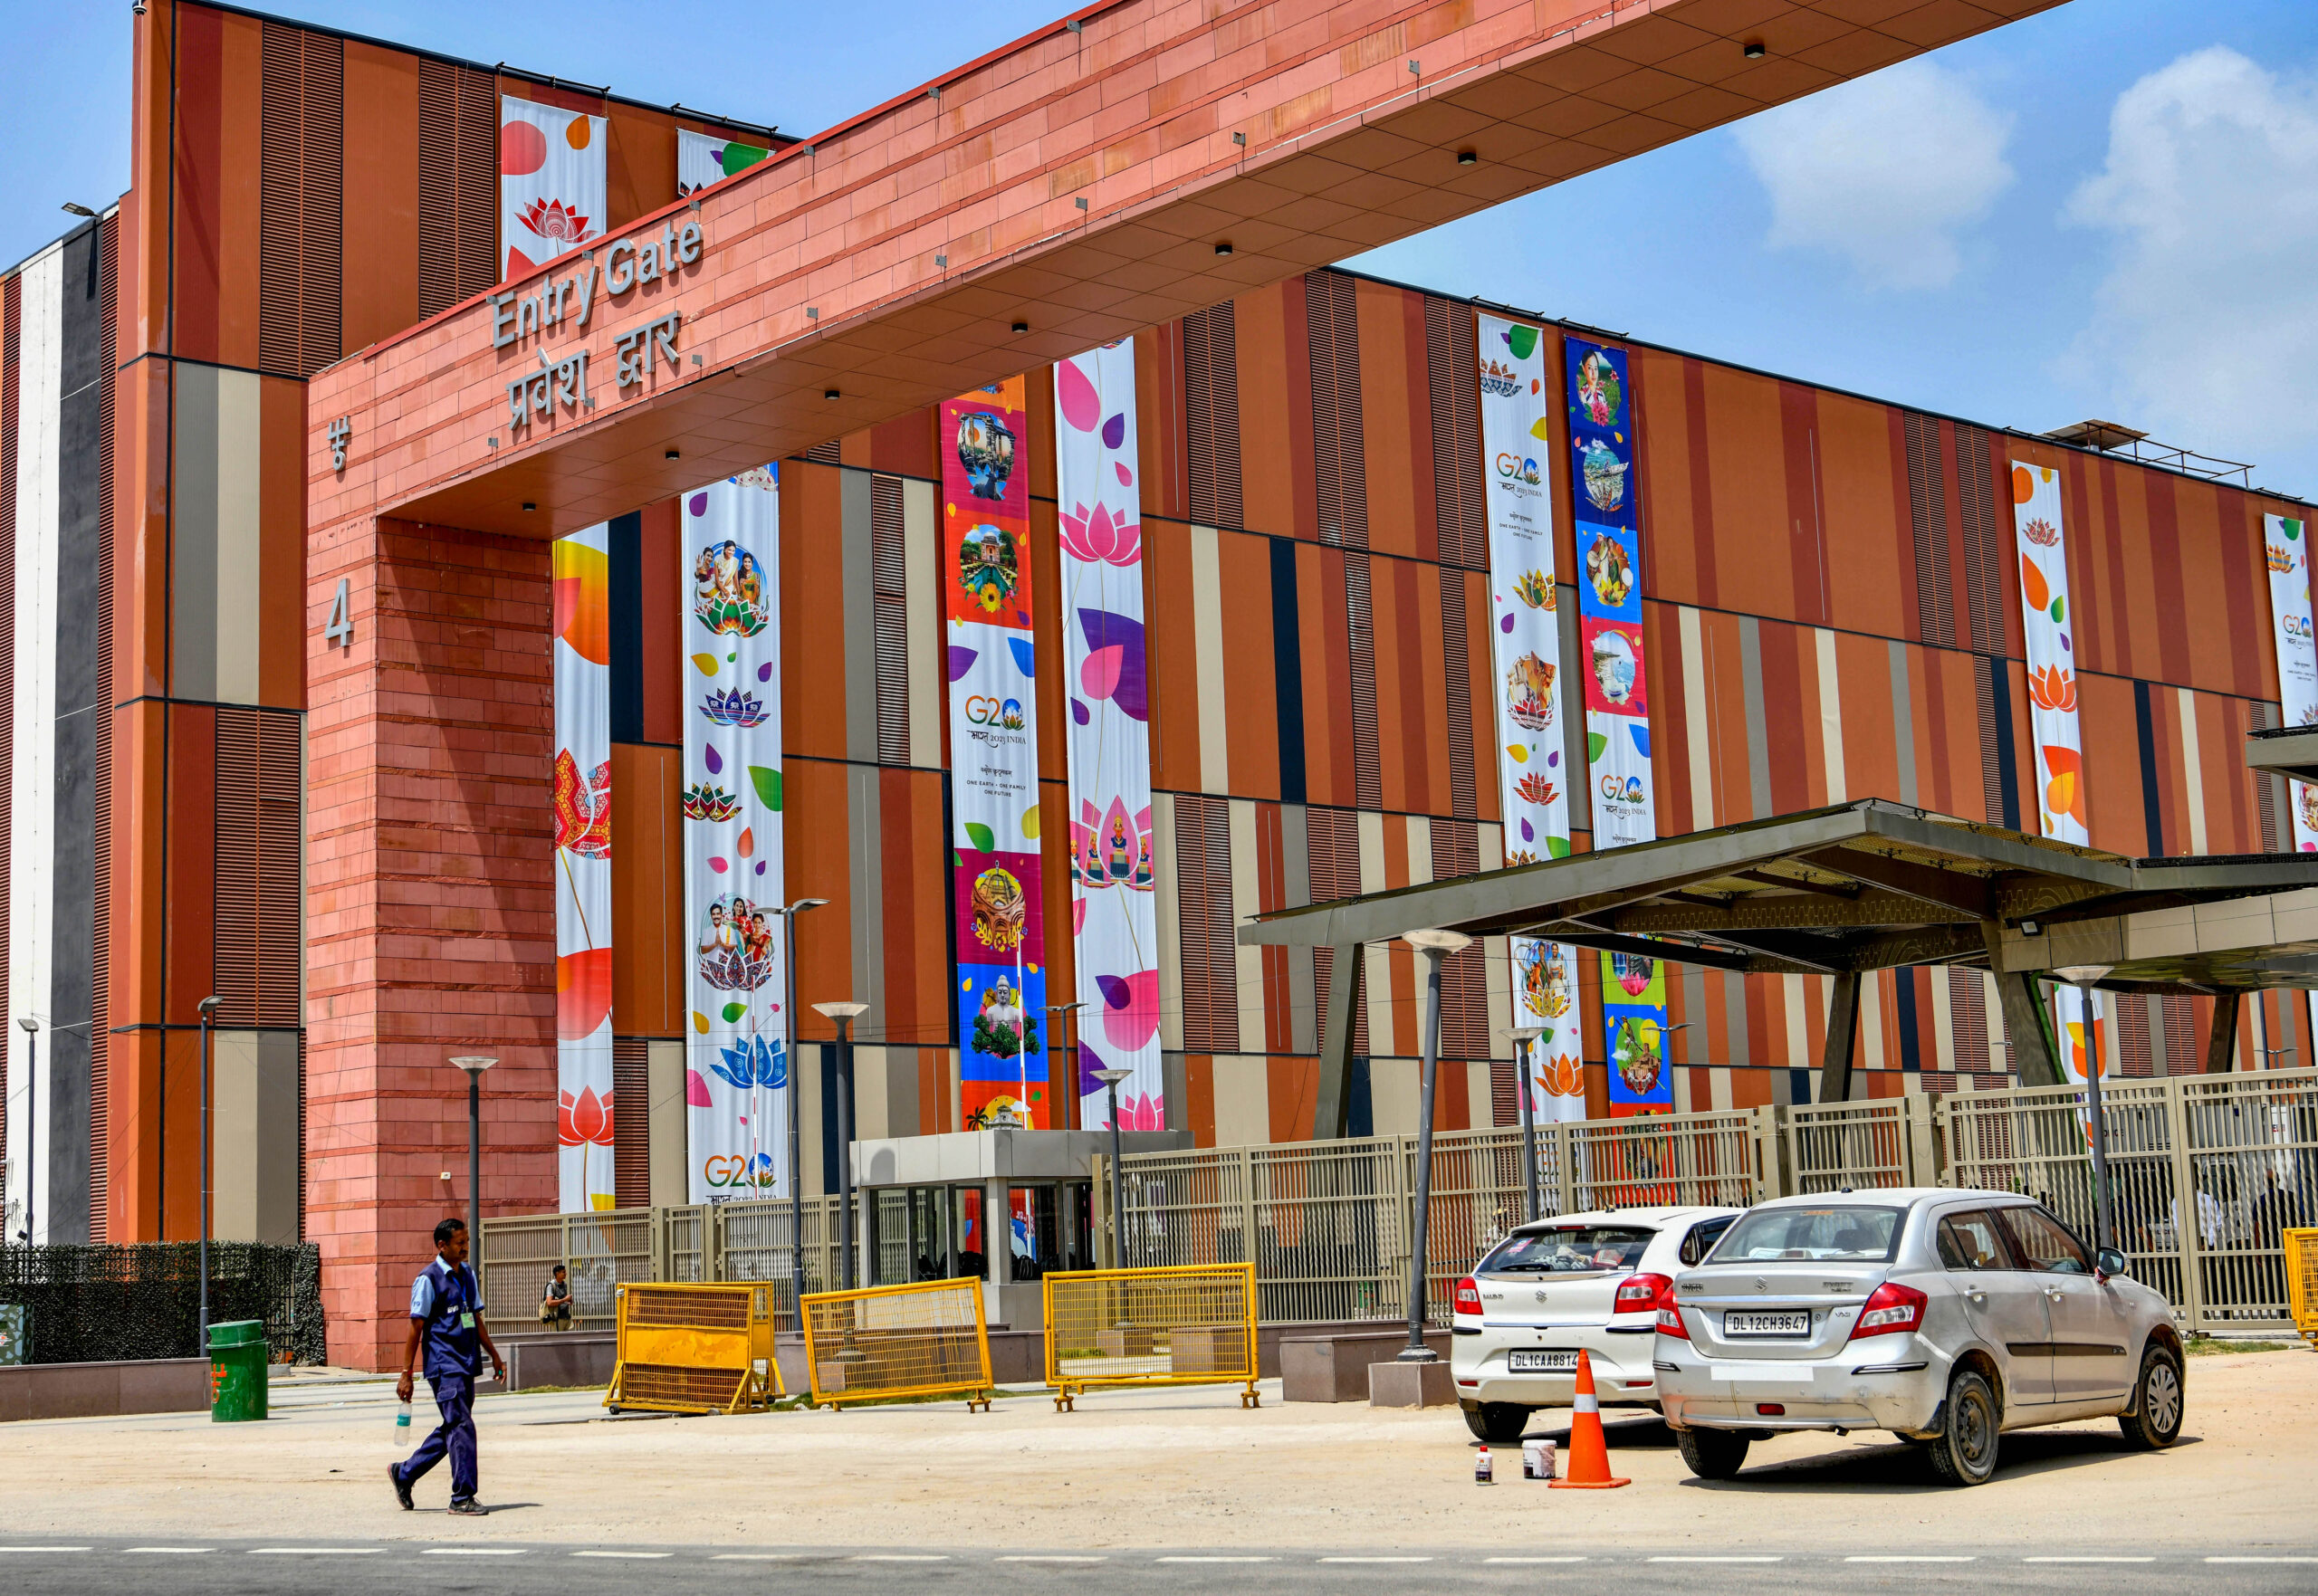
[1842,1038]
[430,924]
[2028,1020]
[1332,1104]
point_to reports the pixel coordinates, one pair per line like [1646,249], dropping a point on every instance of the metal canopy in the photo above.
[1863,886]
[2290,751]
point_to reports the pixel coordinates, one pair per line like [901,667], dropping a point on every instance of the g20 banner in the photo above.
[552,194]
[993,653]
[1532,786]
[581,796]
[2285,549]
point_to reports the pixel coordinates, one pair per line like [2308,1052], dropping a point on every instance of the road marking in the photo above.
[43,1548]
[1533,1559]
[175,1549]
[2088,1560]
[475,1551]
[1717,1560]
[1049,1557]
[315,1550]
[2262,1560]
[1376,1560]
[900,1557]
[623,1555]
[757,1556]
[1216,1560]
[1906,1558]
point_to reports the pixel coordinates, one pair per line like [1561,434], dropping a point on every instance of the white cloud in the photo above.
[2205,330]
[1884,171]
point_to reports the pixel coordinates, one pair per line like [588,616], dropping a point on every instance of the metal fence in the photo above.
[2207,1172]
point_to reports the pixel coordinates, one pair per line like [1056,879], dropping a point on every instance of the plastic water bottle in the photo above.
[402,1426]
[1484,1471]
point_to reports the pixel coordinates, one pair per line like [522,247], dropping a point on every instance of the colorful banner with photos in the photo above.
[736,1074]
[581,794]
[703,159]
[1617,695]
[1533,787]
[2285,549]
[1114,912]
[552,194]
[984,548]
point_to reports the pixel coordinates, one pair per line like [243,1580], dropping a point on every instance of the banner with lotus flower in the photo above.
[1525,603]
[581,792]
[552,195]
[736,1074]
[992,662]
[2285,549]
[1114,912]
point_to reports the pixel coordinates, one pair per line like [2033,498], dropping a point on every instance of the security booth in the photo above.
[931,1205]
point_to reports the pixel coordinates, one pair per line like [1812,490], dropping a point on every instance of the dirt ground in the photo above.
[1177,1469]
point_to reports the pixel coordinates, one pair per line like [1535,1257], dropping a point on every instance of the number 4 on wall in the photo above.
[341,630]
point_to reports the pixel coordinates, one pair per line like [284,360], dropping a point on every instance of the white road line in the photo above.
[315,1550]
[623,1555]
[43,1548]
[1049,1557]
[475,1551]
[756,1556]
[2088,1560]
[1898,1557]
[1376,1560]
[172,1549]
[899,1557]
[1533,1559]
[2262,1560]
[1717,1560]
[1215,1559]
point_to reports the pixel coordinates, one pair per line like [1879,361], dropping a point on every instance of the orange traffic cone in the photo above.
[1589,1454]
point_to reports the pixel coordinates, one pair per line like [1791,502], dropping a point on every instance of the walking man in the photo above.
[447,1315]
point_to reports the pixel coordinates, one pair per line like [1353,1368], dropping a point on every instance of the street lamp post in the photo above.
[843,1014]
[1435,945]
[32,1119]
[1056,1017]
[474,1064]
[207,1009]
[1525,1036]
[2083,977]
[1111,1079]
[796,1145]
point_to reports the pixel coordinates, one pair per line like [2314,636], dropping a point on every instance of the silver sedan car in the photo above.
[1945,1317]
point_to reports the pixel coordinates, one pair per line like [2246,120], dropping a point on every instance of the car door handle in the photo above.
[1976,1293]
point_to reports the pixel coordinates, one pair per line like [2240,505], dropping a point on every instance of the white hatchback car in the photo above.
[1946,1316]
[1591,1282]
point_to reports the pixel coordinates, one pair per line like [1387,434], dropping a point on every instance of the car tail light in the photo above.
[1469,1296]
[1893,1306]
[1669,1321]
[1642,1293]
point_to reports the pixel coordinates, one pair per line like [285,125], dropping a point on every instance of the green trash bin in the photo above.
[238,1359]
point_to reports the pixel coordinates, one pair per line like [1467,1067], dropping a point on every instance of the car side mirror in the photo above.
[2109,1261]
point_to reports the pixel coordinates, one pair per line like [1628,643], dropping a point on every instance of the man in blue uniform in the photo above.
[446,1318]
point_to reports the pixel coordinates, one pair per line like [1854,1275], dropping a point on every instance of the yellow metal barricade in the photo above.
[694,1349]
[921,1340]
[1194,1325]
[2302,1281]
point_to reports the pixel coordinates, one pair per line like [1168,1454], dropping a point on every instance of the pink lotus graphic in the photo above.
[556,222]
[584,1121]
[1141,1114]
[1097,538]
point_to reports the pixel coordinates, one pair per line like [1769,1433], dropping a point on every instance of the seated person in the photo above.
[555,1307]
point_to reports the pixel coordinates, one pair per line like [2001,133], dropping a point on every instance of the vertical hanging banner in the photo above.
[703,159]
[1532,786]
[552,194]
[581,576]
[1114,914]
[736,1071]
[1000,931]
[1617,696]
[2046,627]
[2285,549]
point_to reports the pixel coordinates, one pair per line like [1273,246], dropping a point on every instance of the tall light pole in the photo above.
[1525,1036]
[1435,945]
[1056,1016]
[1111,1079]
[843,1014]
[31,1117]
[207,1009]
[796,1144]
[474,1064]
[2083,977]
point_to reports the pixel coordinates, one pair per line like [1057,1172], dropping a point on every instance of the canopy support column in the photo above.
[2221,1041]
[1332,1104]
[1842,1038]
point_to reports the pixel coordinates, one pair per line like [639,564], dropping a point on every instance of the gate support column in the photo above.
[2221,1041]
[1842,1038]
[1332,1104]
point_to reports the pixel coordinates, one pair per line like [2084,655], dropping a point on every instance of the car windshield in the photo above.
[1833,1235]
[1576,1250]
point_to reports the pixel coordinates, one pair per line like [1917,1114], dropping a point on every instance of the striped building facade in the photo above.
[1830,609]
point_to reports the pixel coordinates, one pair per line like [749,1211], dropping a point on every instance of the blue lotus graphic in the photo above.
[754,1062]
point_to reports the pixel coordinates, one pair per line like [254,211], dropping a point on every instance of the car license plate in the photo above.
[1796,1323]
[1542,1362]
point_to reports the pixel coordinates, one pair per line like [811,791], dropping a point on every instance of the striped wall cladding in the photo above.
[57,396]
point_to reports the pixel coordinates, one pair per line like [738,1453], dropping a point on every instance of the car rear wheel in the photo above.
[1498,1423]
[1964,1453]
[2155,1422]
[1712,1454]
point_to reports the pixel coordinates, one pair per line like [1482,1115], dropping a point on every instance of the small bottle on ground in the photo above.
[1484,1471]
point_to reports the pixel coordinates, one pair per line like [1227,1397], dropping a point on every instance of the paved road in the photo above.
[101,1567]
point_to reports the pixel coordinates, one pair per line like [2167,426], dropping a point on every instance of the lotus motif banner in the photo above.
[582,789]
[2287,551]
[703,159]
[737,1059]
[1617,695]
[1530,710]
[551,188]
[1001,982]
[1115,918]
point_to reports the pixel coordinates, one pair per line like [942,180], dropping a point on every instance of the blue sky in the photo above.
[2109,210]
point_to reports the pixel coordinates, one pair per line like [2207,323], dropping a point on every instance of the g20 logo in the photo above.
[725,1171]
[2297,627]
[1627,792]
[1006,713]
[1517,468]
